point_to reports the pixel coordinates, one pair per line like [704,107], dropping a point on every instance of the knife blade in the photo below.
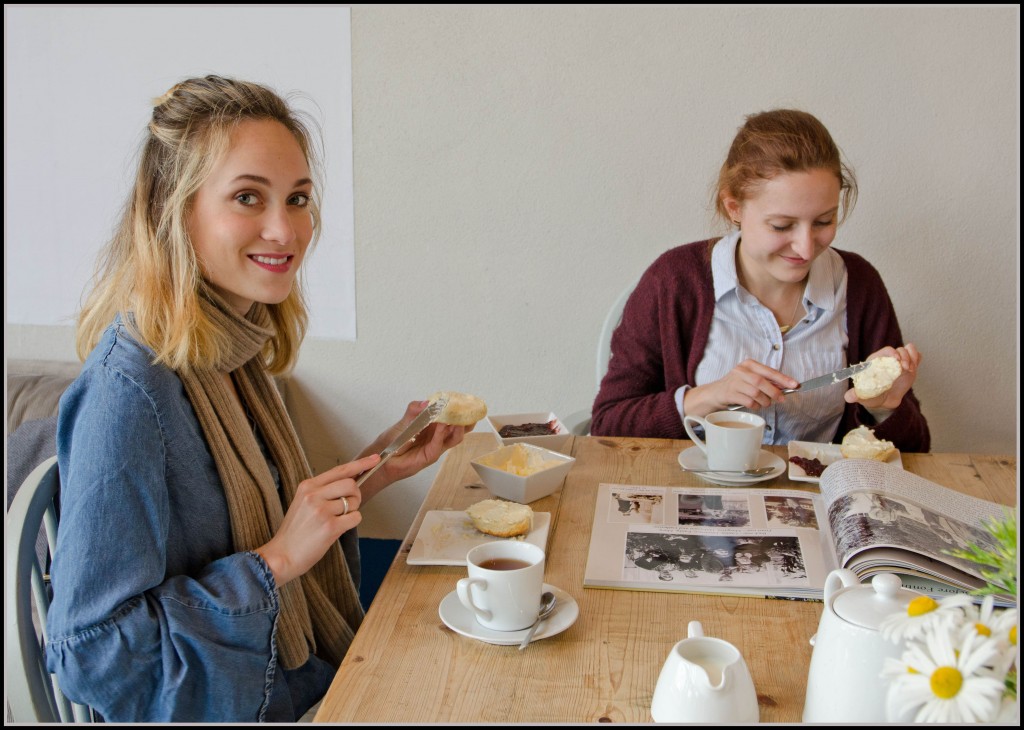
[424,419]
[821,381]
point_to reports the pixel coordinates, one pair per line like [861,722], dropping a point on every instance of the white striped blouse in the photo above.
[744,328]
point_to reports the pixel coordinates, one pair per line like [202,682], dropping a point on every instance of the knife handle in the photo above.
[787,391]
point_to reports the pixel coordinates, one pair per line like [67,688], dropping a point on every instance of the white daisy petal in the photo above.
[953,683]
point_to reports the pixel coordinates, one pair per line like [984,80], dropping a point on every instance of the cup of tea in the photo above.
[732,439]
[506,579]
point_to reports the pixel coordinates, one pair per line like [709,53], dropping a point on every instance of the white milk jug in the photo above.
[704,680]
[844,683]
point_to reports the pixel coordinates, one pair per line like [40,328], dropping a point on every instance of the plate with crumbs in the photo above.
[445,536]
[824,453]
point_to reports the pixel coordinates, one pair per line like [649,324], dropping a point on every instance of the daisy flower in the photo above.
[1000,625]
[941,684]
[922,613]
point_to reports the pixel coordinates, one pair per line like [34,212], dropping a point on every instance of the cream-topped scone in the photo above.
[877,378]
[861,443]
[461,409]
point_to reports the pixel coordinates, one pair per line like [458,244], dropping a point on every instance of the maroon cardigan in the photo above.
[664,330]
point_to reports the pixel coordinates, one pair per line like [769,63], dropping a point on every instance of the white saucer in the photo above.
[461,620]
[694,458]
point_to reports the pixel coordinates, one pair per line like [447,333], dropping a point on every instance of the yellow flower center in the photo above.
[983,629]
[946,682]
[921,605]
[1013,636]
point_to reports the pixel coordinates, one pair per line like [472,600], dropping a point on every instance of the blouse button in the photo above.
[775,346]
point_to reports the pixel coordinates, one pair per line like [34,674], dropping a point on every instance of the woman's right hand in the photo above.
[750,384]
[315,519]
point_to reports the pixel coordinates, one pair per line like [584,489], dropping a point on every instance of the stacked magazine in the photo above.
[869,517]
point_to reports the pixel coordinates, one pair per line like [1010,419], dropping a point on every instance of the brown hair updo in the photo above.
[779,141]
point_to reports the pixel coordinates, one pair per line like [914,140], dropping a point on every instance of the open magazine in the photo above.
[869,517]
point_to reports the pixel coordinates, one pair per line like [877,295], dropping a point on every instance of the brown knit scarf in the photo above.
[320,611]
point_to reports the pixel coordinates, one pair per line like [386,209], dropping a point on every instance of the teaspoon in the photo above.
[760,471]
[547,605]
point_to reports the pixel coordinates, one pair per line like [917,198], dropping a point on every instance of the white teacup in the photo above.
[733,439]
[506,579]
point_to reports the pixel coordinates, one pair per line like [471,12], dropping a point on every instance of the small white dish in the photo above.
[462,621]
[523,489]
[445,536]
[558,441]
[826,454]
[694,458]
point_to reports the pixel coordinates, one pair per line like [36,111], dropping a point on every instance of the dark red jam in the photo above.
[528,429]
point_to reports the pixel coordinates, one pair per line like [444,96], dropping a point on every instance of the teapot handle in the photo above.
[837,579]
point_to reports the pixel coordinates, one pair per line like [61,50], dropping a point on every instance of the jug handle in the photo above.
[841,578]
[694,629]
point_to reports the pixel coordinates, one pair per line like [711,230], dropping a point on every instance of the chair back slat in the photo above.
[50,527]
[33,693]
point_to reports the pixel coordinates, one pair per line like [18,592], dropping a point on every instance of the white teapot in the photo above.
[844,683]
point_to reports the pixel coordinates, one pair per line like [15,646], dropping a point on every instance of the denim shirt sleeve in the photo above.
[125,635]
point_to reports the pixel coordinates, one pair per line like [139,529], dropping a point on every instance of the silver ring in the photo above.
[344,501]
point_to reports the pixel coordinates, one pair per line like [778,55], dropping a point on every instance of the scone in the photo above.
[500,518]
[861,443]
[462,409]
[877,378]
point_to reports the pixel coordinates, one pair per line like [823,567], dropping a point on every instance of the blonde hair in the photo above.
[150,268]
[779,141]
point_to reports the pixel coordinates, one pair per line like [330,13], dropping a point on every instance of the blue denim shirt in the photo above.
[155,617]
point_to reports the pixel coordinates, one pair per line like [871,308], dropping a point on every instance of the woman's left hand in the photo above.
[414,456]
[910,361]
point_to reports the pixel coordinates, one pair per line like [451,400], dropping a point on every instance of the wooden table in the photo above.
[406,666]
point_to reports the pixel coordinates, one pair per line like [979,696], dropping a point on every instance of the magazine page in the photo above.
[913,569]
[763,542]
[873,505]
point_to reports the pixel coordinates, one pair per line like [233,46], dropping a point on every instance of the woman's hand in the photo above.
[315,519]
[414,456]
[750,384]
[910,361]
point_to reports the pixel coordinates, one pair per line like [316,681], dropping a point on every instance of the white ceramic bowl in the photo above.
[558,441]
[522,489]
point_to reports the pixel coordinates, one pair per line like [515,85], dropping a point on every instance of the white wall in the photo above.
[515,167]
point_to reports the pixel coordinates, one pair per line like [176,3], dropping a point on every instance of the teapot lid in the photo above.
[867,606]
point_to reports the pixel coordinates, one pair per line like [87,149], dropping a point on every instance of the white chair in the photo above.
[579,422]
[32,692]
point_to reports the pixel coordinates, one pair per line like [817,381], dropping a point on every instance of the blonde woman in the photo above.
[198,574]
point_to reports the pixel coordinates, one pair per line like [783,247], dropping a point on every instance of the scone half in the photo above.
[500,518]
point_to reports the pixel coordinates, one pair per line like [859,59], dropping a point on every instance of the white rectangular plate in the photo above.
[445,536]
[825,453]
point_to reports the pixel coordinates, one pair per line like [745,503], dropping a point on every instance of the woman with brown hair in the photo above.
[736,320]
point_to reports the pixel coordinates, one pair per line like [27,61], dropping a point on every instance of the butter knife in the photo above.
[821,381]
[424,419]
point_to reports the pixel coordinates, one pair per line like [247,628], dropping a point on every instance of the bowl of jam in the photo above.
[538,428]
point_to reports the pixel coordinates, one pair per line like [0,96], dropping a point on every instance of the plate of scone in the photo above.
[807,459]
[445,536]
